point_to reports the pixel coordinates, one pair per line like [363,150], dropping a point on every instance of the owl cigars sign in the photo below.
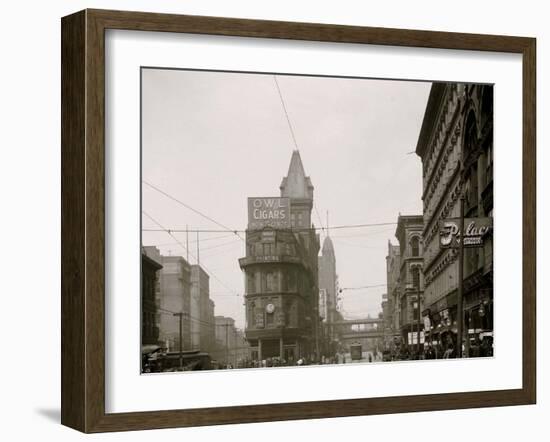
[268,212]
[475,232]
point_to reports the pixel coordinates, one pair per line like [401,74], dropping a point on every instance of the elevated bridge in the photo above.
[366,321]
[362,335]
[365,330]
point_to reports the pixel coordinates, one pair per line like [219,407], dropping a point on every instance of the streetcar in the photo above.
[191,360]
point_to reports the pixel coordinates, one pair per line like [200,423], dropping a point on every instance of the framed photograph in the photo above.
[266,221]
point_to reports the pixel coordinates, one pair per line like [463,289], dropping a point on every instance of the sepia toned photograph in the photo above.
[294,220]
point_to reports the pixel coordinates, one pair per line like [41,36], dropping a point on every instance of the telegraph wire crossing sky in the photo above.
[210,140]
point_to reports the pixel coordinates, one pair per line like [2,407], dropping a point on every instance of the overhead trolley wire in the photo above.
[187,206]
[185,249]
[362,287]
[286,112]
[294,229]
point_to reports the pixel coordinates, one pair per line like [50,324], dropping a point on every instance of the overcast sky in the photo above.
[212,139]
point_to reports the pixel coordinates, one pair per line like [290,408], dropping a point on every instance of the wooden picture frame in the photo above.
[83,220]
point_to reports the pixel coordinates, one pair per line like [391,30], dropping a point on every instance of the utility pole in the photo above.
[198,250]
[199,288]
[226,344]
[187,241]
[419,317]
[180,315]
[459,306]
[316,330]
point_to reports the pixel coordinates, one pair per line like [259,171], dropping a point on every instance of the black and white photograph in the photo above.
[294,220]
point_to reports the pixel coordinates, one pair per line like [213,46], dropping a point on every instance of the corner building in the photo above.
[281,277]
[456,148]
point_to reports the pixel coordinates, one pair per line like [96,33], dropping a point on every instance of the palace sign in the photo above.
[268,212]
[476,230]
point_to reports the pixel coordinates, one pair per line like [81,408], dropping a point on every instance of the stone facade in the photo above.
[411,281]
[456,149]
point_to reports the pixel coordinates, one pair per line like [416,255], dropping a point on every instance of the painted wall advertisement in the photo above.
[268,212]
[476,230]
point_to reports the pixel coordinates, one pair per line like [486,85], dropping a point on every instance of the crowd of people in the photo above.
[290,362]
[157,360]
[479,348]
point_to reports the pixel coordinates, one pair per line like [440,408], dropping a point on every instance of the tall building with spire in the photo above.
[328,296]
[281,274]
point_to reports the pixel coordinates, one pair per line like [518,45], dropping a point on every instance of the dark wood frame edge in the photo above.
[83,232]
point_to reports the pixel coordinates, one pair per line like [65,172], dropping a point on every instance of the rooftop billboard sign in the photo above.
[268,212]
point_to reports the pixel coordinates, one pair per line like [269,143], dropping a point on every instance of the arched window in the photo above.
[415,246]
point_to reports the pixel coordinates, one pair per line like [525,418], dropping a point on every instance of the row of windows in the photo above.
[271,249]
[275,281]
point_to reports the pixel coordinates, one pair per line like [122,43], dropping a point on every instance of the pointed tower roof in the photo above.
[328,247]
[296,184]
